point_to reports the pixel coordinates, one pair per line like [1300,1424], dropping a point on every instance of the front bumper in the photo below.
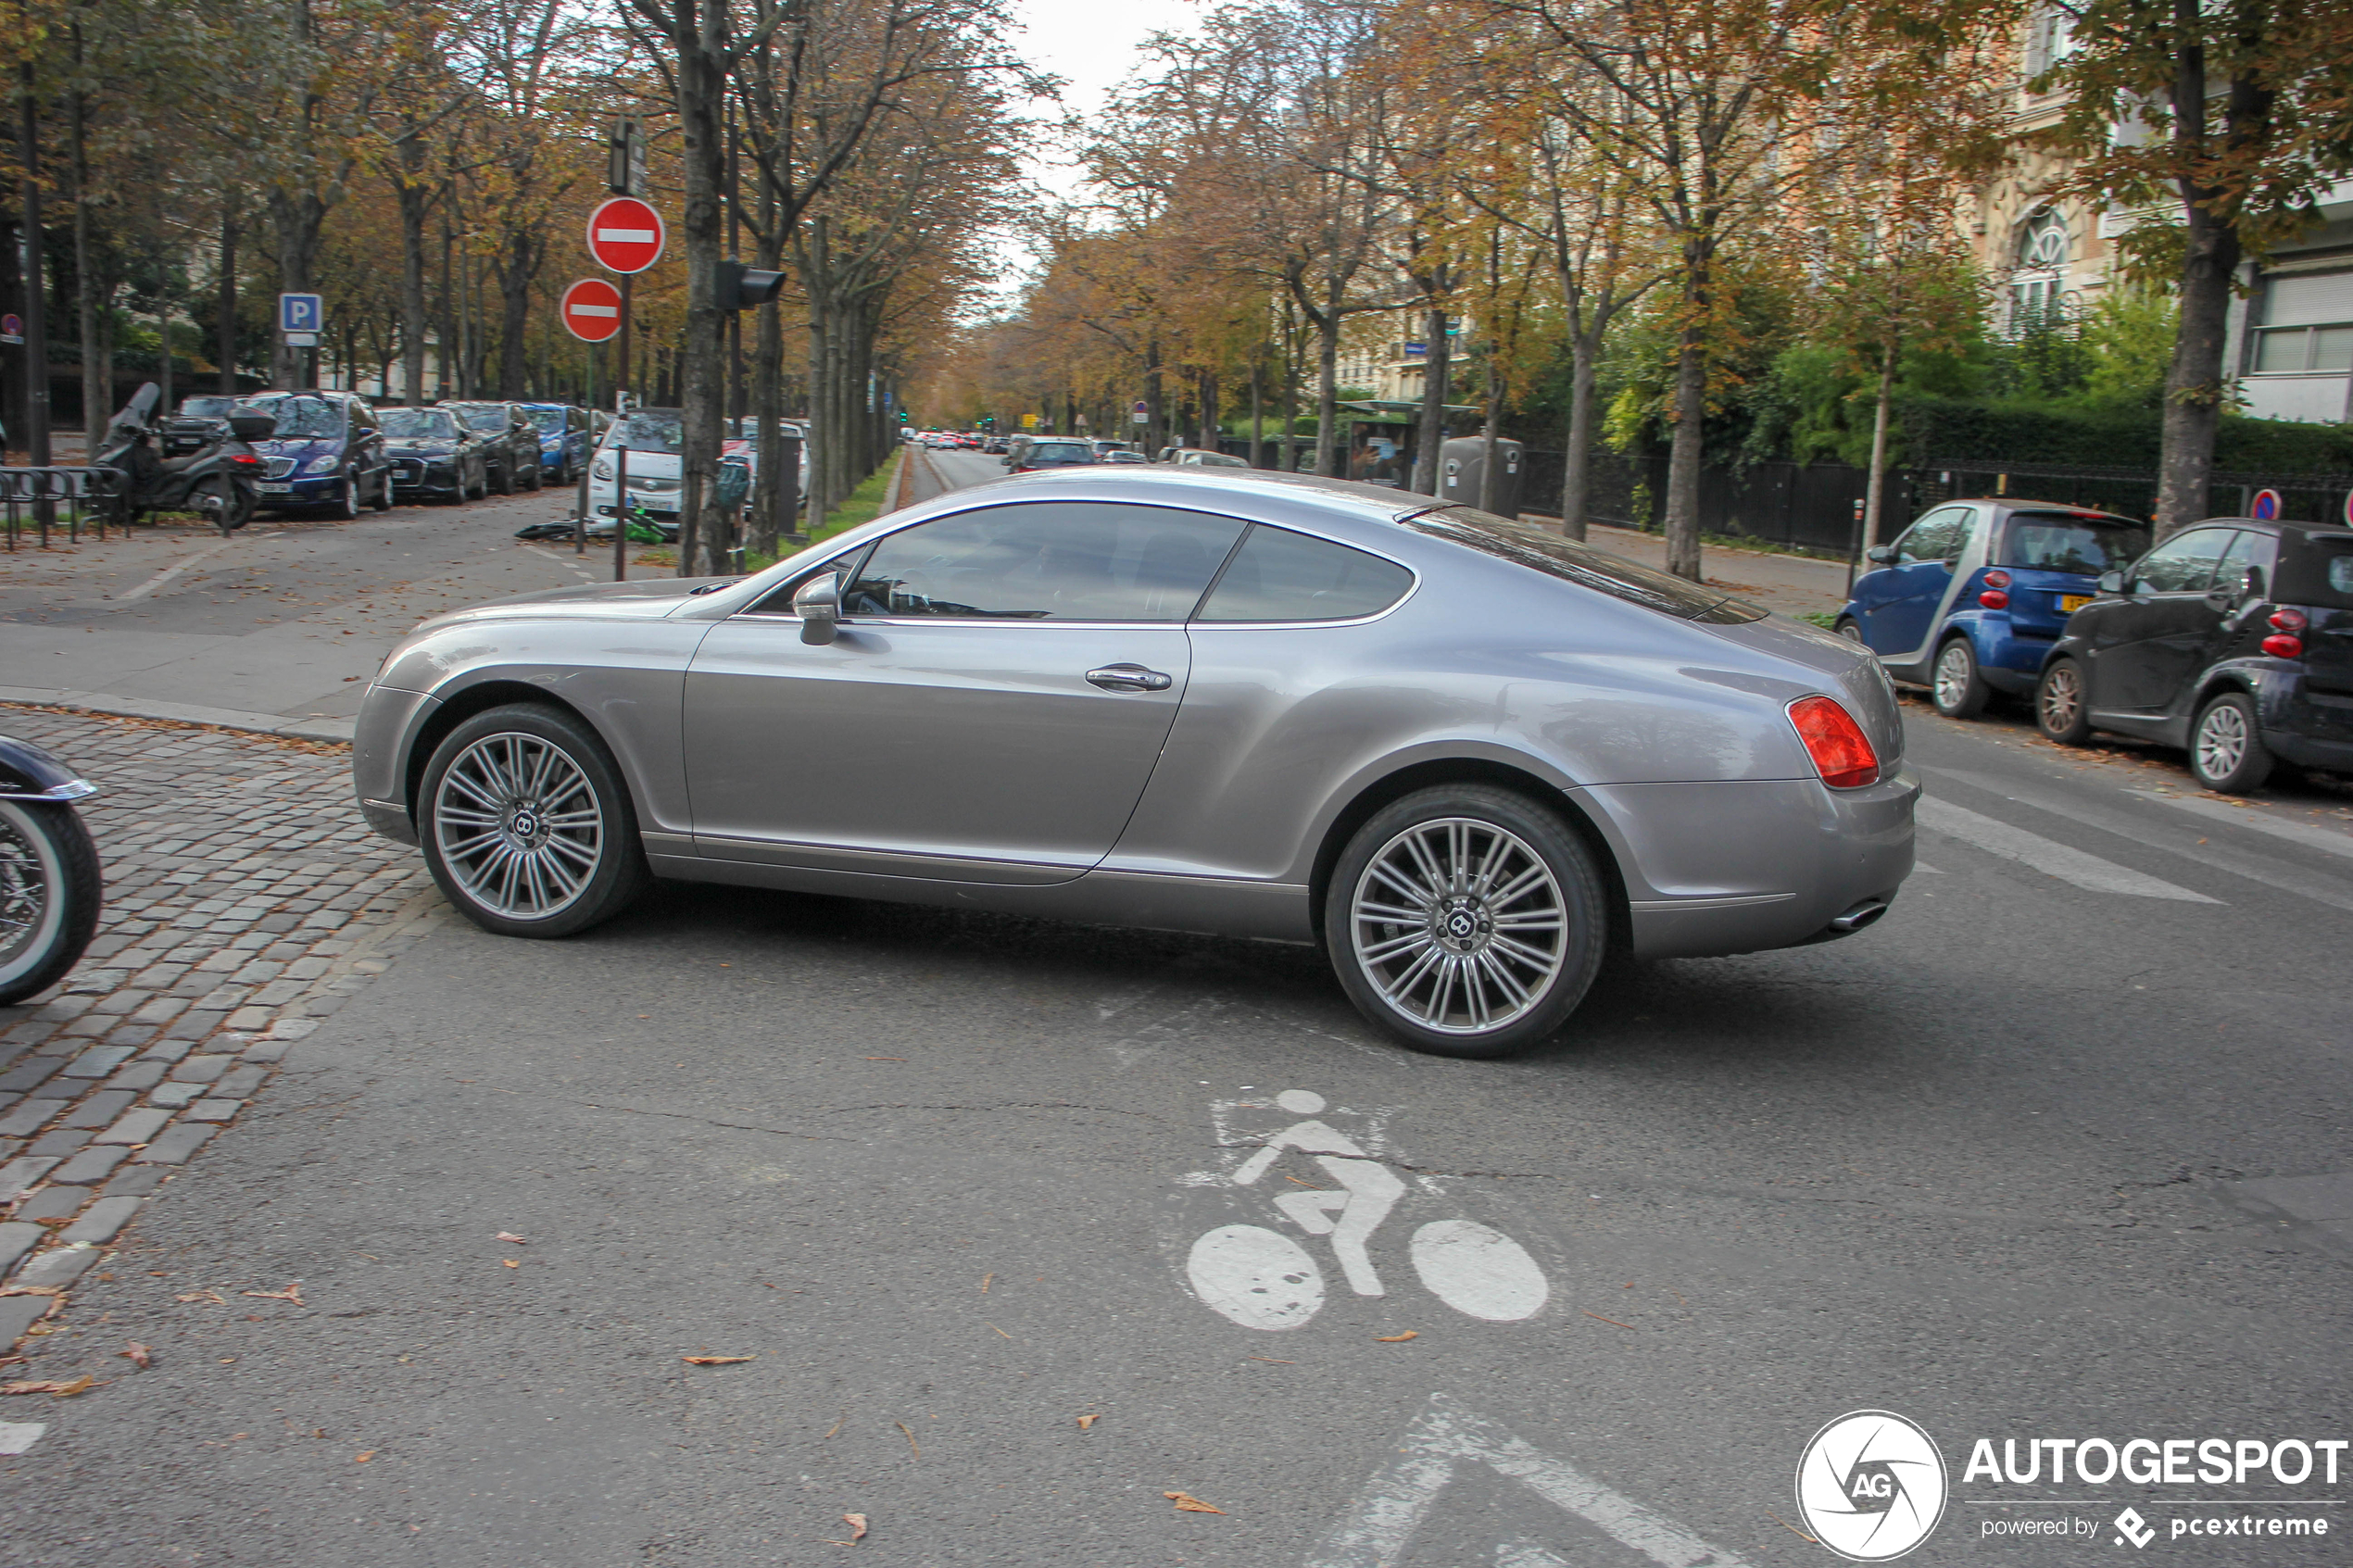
[383,736]
[301,491]
[1722,868]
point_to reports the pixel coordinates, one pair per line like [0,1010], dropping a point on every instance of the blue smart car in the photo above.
[1973,594]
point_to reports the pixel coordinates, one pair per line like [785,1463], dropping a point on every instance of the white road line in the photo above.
[2250,817]
[2046,855]
[156,582]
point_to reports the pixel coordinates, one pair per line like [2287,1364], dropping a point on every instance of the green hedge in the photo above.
[1940,429]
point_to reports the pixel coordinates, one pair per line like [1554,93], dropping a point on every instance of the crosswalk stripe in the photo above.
[2253,818]
[2047,855]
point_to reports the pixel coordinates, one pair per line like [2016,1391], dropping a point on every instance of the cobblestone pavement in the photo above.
[246,900]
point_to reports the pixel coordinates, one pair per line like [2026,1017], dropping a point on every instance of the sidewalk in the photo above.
[1792,584]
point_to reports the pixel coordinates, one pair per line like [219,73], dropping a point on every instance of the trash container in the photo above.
[1462,460]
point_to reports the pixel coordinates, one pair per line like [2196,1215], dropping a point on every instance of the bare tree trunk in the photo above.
[1327,395]
[1155,400]
[1430,439]
[1257,401]
[514,286]
[97,401]
[227,352]
[701,95]
[2195,381]
[1691,419]
[1577,461]
[413,201]
[1875,490]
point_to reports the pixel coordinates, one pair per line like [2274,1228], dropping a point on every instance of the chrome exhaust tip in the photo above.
[1861,915]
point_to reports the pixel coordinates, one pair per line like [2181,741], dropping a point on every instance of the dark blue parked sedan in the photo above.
[563,440]
[1973,594]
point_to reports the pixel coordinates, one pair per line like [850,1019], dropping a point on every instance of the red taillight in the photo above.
[1997,579]
[2288,620]
[1842,753]
[2279,645]
[1993,598]
[244,459]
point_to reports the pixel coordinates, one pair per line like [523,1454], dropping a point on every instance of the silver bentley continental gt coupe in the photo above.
[1465,756]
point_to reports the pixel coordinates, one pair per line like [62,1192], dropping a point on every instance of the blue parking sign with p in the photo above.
[301,313]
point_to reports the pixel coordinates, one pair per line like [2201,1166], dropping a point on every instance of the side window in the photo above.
[1278,575]
[1046,560]
[2246,564]
[1936,536]
[2184,564]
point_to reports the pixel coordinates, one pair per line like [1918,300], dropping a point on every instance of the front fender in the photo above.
[31,773]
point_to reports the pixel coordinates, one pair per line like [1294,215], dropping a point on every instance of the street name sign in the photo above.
[591,310]
[625,235]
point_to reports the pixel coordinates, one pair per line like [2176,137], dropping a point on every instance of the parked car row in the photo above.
[2232,639]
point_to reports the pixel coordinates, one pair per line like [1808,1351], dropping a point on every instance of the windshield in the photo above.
[649,429]
[1059,452]
[300,415]
[411,424]
[550,421]
[207,407]
[1558,556]
[481,416]
[2070,542]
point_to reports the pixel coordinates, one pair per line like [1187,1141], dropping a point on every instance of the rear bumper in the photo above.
[1714,868]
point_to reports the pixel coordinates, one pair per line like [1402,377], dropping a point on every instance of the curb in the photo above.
[333,730]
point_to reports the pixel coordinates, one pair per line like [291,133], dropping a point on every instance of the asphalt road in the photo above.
[1998,1165]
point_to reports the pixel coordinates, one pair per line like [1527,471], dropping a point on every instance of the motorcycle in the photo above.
[50,889]
[217,480]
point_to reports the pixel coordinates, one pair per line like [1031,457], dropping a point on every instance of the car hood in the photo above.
[647,600]
[647,465]
[421,446]
[298,446]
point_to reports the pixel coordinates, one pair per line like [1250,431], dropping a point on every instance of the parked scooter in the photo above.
[49,883]
[217,479]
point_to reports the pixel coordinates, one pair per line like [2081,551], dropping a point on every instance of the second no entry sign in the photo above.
[625,235]
[591,310]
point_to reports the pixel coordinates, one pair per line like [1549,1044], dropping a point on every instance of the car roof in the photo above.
[2276,524]
[2025,504]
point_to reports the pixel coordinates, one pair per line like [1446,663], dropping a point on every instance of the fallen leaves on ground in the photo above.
[30,1290]
[713,1360]
[363,1458]
[1087,1421]
[138,1355]
[857,1523]
[292,1293]
[510,1263]
[212,1296]
[60,1387]
[1189,1504]
[1398,1338]
[911,1438]
[510,1235]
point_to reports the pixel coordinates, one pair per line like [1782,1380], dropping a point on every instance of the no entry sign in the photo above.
[625,235]
[591,310]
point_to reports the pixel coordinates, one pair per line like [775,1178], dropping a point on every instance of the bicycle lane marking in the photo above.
[164,578]
[1380,1521]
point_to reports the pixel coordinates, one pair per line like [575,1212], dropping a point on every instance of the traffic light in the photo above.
[903,416]
[747,288]
[989,421]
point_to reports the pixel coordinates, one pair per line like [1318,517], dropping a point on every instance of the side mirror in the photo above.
[818,603]
[253,427]
[1883,555]
[2111,582]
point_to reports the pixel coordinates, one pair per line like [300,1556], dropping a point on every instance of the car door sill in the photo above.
[881,862]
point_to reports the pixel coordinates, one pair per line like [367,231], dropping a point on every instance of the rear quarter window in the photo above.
[1278,575]
[2315,571]
[2067,542]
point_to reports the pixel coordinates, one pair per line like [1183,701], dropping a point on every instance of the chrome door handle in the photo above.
[1128,678]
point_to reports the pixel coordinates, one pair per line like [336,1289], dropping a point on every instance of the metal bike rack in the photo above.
[43,488]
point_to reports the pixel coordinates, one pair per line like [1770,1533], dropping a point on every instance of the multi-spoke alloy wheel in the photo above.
[2226,751]
[527,827]
[1466,920]
[1961,691]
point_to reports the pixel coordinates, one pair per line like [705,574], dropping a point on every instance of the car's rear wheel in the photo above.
[1849,628]
[2060,708]
[2227,753]
[383,490]
[505,482]
[1958,690]
[527,825]
[1466,920]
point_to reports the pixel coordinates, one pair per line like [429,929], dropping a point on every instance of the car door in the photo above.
[1904,596]
[990,709]
[2146,646]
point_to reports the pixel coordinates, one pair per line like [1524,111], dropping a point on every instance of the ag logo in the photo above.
[1870,1485]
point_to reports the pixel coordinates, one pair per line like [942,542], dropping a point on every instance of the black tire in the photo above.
[538,477]
[1461,933]
[383,490]
[609,867]
[1955,684]
[2227,753]
[345,506]
[2062,710]
[232,506]
[1849,628]
[505,482]
[50,894]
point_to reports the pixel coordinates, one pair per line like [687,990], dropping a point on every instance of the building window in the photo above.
[2308,324]
[2048,39]
[2038,286]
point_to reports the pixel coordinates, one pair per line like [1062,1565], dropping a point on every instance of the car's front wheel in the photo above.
[1959,691]
[527,825]
[2227,753]
[2060,708]
[1466,920]
[345,505]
